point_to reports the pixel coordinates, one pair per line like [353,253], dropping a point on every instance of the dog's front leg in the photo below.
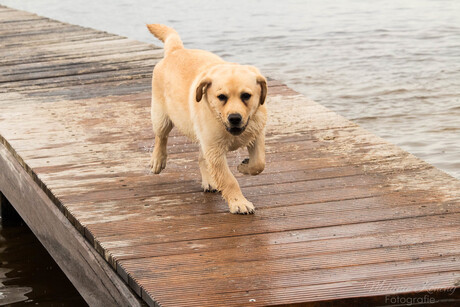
[207,182]
[256,162]
[226,182]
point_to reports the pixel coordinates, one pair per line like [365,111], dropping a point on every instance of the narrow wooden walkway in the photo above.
[341,213]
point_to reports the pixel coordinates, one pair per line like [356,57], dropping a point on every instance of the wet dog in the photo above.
[216,103]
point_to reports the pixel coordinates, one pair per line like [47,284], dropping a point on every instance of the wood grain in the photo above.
[340,211]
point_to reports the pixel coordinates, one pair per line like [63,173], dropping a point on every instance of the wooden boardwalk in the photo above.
[341,214]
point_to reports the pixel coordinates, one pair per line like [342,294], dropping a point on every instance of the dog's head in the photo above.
[234,92]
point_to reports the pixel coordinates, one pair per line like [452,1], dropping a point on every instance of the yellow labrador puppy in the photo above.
[216,103]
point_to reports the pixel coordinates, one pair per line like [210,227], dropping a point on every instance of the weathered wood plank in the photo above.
[82,52]
[253,274]
[323,239]
[405,283]
[268,220]
[58,65]
[49,41]
[79,72]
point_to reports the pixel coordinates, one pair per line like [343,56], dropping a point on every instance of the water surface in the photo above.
[28,274]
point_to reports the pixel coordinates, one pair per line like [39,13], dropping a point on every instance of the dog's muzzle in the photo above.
[235,120]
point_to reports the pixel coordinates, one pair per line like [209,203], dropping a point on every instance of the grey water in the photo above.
[28,274]
[391,66]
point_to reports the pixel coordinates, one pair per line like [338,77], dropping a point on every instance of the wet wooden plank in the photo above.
[339,209]
[411,283]
[323,239]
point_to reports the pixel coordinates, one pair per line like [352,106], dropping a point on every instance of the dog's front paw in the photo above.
[241,207]
[207,188]
[157,164]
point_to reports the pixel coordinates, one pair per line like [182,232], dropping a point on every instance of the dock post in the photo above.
[9,216]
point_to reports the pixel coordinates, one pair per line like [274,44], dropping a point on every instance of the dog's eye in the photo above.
[245,96]
[222,97]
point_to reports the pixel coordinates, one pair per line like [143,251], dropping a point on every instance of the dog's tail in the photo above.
[167,35]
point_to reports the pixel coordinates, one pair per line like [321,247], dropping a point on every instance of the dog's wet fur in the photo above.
[216,103]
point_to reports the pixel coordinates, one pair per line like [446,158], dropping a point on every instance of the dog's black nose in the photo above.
[234,119]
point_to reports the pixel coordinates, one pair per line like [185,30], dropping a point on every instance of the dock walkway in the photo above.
[341,213]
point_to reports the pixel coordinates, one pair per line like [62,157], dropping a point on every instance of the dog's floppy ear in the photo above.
[263,88]
[201,88]
[262,82]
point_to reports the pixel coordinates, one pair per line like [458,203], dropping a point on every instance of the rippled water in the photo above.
[28,274]
[391,66]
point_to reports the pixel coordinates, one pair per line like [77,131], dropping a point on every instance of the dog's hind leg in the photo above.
[162,125]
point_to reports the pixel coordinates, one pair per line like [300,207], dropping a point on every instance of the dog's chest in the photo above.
[240,141]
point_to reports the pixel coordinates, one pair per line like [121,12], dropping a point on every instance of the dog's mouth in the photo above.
[236,130]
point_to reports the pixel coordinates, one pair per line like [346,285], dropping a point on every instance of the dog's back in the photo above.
[174,74]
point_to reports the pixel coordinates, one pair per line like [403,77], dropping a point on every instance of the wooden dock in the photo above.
[342,215]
